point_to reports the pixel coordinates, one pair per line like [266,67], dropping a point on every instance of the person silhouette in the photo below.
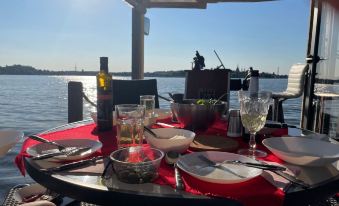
[199,61]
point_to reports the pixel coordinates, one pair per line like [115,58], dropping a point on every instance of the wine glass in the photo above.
[253,110]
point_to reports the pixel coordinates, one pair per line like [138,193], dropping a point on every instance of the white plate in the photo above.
[44,148]
[8,138]
[232,174]
[303,151]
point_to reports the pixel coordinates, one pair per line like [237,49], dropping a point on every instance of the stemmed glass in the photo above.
[253,110]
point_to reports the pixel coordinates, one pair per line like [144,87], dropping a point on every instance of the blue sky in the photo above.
[59,34]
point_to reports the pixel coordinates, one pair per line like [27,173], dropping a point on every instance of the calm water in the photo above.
[36,103]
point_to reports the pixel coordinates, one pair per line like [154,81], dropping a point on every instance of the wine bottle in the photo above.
[254,81]
[104,97]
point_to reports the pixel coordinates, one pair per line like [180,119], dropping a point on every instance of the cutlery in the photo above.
[218,100]
[290,178]
[217,165]
[248,164]
[151,132]
[256,165]
[73,165]
[170,94]
[40,139]
[164,98]
[70,151]
[172,159]
[165,125]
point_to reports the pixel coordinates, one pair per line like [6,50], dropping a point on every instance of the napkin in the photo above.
[276,180]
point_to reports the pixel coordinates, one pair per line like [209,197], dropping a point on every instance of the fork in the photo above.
[248,164]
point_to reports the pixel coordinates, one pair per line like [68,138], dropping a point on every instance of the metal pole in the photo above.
[138,43]
[75,103]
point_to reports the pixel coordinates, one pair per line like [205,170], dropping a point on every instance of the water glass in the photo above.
[149,102]
[130,126]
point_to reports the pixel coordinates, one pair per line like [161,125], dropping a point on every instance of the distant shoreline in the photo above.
[28,70]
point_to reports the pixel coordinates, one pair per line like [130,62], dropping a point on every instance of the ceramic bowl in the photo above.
[171,139]
[195,116]
[303,151]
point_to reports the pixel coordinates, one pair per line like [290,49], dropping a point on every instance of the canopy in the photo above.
[198,4]
[138,11]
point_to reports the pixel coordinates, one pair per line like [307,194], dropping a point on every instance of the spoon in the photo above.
[151,132]
[171,95]
[171,158]
[164,98]
[218,100]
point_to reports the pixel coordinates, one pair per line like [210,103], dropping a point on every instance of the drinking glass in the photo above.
[130,126]
[149,102]
[253,110]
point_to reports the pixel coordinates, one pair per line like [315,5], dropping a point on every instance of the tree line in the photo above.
[29,70]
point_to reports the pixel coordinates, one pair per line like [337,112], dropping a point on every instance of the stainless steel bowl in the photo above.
[194,116]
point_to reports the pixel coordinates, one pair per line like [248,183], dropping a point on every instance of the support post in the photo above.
[138,43]
[75,102]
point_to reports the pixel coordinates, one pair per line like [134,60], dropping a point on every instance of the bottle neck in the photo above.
[254,84]
[104,69]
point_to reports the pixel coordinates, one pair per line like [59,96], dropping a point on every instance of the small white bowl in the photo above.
[172,139]
[303,151]
[8,138]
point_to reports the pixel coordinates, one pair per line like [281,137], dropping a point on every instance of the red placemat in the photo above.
[256,191]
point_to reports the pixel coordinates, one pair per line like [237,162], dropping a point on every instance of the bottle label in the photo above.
[104,97]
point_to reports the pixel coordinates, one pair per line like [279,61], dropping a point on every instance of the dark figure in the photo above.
[199,61]
[246,81]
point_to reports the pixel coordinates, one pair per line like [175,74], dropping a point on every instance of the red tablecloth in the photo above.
[256,191]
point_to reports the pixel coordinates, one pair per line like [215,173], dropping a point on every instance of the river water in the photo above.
[36,103]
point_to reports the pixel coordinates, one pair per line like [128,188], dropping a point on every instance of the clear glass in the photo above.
[130,126]
[149,102]
[253,110]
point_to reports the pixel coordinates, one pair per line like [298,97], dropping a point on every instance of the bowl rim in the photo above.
[192,134]
[218,104]
[266,143]
[162,154]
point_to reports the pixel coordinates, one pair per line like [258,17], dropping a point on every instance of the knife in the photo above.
[292,179]
[73,165]
[248,164]
[67,152]
[256,165]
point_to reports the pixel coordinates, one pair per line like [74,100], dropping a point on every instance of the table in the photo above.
[92,189]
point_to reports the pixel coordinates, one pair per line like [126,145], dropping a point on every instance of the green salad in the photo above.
[206,101]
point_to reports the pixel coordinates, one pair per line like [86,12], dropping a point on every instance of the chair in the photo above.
[295,88]
[129,91]
[124,92]
[206,84]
